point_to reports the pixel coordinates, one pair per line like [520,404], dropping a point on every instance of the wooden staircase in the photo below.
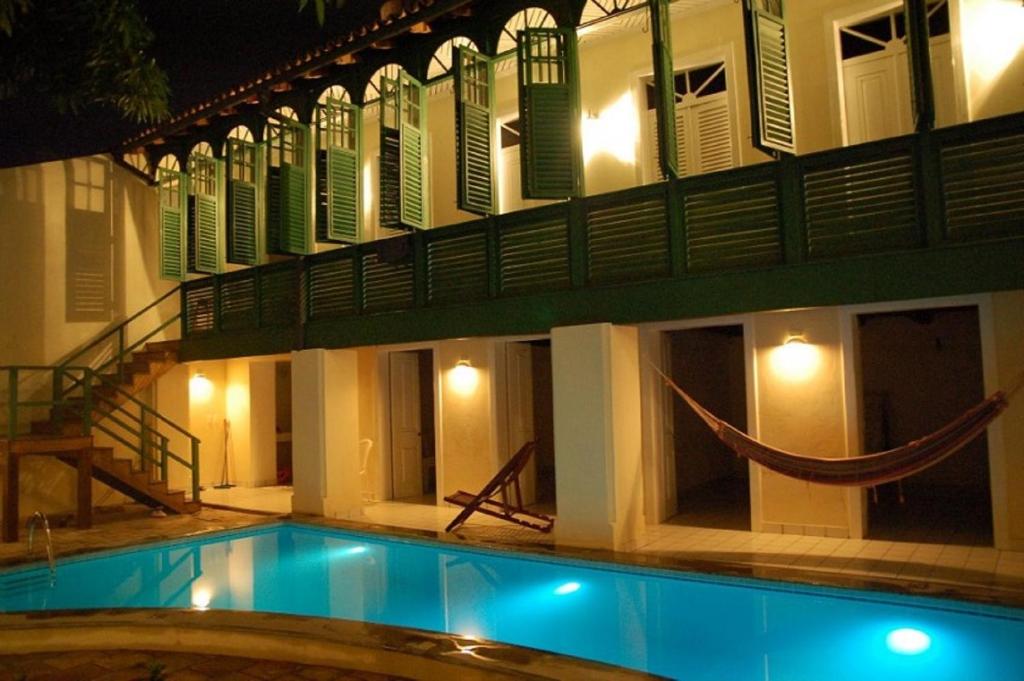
[143,368]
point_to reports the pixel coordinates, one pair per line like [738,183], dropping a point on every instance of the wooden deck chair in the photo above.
[494,499]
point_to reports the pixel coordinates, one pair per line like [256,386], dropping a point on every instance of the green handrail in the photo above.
[120,332]
[136,432]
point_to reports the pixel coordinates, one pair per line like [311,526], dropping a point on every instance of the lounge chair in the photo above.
[494,499]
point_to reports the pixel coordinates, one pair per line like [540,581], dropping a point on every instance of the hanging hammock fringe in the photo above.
[858,471]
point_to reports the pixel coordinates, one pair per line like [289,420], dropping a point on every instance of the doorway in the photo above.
[875,73]
[413,442]
[920,370]
[530,416]
[283,422]
[712,483]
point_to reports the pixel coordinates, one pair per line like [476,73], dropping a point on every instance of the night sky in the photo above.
[205,46]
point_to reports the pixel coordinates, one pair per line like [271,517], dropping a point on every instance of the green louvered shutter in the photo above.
[172,232]
[664,87]
[549,113]
[390,184]
[338,215]
[922,95]
[768,59]
[294,235]
[243,243]
[412,153]
[204,230]
[287,193]
[474,121]
[273,210]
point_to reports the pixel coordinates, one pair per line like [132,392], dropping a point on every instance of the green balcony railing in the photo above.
[926,190]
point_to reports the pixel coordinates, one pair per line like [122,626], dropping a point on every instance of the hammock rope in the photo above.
[859,471]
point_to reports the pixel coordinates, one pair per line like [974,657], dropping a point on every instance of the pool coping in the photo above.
[347,644]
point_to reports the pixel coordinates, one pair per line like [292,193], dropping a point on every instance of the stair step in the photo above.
[164,346]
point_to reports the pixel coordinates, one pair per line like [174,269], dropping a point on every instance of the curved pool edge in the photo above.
[346,644]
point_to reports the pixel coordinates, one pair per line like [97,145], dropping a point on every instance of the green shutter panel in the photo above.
[243,248]
[412,139]
[664,87]
[203,223]
[768,61]
[549,113]
[474,121]
[389,188]
[339,218]
[172,232]
[294,235]
[207,234]
[922,94]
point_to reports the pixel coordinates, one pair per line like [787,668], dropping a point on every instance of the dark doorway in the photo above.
[544,425]
[530,418]
[919,370]
[283,421]
[712,483]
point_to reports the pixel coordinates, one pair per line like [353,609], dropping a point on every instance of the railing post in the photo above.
[675,226]
[144,443]
[12,403]
[420,285]
[493,258]
[163,457]
[86,403]
[577,217]
[791,210]
[928,181]
[57,412]
[120,354]
[195,469]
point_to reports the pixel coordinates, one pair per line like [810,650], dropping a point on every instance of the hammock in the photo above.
[858,471]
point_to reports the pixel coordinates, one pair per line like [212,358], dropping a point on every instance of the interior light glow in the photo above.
[796,359]
[464,378]
[200,388]
[356,550]
[614,131]
[567,588]
[993,34]
[907,641]
[201,598]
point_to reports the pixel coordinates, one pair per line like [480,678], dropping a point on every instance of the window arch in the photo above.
[372,94]
[169,162]
[531,17]
[442,60]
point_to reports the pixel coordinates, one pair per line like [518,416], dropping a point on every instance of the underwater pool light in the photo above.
[355,550]
[567,588]
[907,641]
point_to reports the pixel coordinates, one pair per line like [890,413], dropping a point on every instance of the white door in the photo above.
[519,366]
[406,440]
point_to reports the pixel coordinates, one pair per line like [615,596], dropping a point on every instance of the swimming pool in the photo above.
[678,625]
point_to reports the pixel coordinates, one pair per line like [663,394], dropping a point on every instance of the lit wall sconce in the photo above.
[200,388]
[201,598]
[796,359]
[464,377]
[613,131]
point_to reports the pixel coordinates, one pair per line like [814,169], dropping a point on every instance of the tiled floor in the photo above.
[276,499]
[941,565]
[112,665]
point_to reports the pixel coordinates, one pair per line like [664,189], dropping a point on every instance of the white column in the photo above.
[595,369]
[325,433]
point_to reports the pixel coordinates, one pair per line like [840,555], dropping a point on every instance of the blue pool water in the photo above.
[683,626]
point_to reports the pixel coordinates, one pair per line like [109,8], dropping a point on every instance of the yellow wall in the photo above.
[800,408]
[993,47]
[1008,472]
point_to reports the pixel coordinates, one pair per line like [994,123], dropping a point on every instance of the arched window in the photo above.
[389,72]
[531,17]
[243,188]
[172,211]
[338,130]
[204,240]
[287,184]
[443,59]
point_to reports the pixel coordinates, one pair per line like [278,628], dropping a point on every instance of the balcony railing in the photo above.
[923,191]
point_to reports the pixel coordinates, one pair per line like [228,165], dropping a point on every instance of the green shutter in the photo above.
[664,87]
[204,229]
[243,244]
[412,140]
[390,184]
[474,121]
[549,113]
[922,94]
[172,232]
[768,61]
[339,218]
[294,234]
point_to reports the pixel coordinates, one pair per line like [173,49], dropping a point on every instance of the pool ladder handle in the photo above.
[37,517]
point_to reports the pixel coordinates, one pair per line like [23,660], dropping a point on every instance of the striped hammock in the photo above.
[858,471]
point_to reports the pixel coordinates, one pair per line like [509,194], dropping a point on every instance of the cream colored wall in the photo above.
[993,53]
[1006,436]
[467,437]
[206,419]
[804,412]
[262,456]
[369,420]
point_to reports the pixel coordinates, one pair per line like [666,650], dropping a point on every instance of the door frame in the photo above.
[659,475]
[857,502]
[384,487]
[864,9]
